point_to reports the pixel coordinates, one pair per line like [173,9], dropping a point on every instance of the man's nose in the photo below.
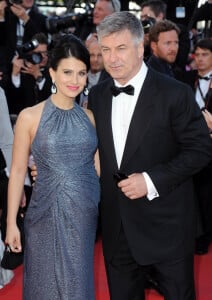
[113,56]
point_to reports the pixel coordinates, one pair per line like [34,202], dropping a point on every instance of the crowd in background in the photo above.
[176,50]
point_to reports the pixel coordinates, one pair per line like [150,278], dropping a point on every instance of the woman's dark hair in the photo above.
[65,46]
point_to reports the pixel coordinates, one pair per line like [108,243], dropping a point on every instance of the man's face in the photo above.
[101,10]
[122,57]
[146,12]
[167,46]
[27,3]
[203,60]
[42,49]
[96,61]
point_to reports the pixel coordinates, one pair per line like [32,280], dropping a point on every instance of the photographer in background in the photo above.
[19,21]
[202,14]
[30,78]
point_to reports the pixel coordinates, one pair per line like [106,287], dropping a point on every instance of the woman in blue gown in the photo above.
[61,220]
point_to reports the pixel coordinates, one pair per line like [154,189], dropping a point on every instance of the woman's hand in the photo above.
[13,238]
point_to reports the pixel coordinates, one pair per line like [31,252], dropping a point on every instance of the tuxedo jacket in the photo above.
[169,140]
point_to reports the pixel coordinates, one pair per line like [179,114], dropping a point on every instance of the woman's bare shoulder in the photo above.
[29,118]
[31,113]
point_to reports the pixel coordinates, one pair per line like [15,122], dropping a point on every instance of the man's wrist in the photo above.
[25,20]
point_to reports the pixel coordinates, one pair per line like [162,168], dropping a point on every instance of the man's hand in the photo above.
[20,12]
[18,63]
[29,68]
[34,172]
[3,4]
[134,186]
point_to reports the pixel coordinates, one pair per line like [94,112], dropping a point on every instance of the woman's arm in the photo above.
[97,163]
[96,156]
[20,156]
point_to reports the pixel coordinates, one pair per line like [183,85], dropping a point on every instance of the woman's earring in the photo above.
[86,91]
[54,88]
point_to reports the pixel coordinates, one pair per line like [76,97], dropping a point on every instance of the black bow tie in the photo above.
[129,89]
[204,77]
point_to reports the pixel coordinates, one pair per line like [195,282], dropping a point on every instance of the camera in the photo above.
[58,23]
[33,58]
[147,24]
[11,2]
[15,1]
[25,52]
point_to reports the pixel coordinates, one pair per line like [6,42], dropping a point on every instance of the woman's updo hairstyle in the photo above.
[65,46]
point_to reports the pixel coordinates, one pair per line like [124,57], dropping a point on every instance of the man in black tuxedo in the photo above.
[202,85]
[151,131]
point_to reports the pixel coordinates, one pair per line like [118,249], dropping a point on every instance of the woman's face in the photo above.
[70,77]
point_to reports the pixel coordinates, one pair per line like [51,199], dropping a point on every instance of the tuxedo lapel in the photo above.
[106,133]
[141,118]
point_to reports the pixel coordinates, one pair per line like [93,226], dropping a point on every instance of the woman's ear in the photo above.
[51,72]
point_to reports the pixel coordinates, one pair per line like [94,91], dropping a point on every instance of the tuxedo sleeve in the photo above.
[192,143]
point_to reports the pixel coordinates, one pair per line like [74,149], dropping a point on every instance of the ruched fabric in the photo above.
[61,220]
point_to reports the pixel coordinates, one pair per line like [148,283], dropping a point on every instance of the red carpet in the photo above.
[203,274]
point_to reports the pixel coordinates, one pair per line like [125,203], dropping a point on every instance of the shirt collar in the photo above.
[209,74]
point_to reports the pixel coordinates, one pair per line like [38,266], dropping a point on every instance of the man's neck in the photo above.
[204,73]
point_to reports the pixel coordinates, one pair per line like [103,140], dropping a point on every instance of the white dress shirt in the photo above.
[16,80]
[204,87]
[123,107]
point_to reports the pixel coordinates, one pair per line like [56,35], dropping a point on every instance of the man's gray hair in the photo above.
[120,21]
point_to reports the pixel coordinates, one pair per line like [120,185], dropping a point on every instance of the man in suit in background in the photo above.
[152,133]
[202,180]
[19,22]
[164,43]
[156,9]
[96,73]
[30,79]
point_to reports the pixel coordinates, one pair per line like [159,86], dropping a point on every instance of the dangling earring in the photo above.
[54,88]
[86,91]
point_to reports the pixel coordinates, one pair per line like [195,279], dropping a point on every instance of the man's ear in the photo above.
[141,49]
[153,46]
[161,16]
